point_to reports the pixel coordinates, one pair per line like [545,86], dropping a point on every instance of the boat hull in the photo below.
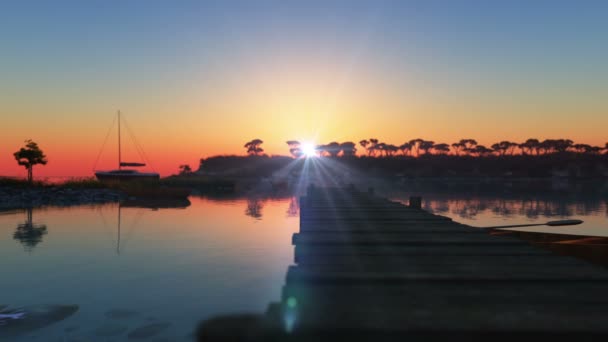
[116,177]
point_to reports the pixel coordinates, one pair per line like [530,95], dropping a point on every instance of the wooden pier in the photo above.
[367,268]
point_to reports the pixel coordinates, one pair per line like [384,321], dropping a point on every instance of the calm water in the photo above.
[180,265]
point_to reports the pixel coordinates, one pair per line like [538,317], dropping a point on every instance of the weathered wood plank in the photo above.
[448,272]
[371,267]
[405,238]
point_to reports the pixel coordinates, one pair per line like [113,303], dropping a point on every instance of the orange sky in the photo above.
[196,80]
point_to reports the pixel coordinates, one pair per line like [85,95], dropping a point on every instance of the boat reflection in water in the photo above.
[150,204]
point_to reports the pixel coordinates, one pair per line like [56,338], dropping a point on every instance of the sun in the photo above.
[309,150]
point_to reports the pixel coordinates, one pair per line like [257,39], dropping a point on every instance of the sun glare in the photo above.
[309,150]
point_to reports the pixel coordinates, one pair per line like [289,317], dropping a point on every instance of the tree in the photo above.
[530,146]
[373,142]
[441,148]
[562,145]
[253,147]
[415,143]
[322,150]
[481,151]
[294,148]
[381,148]
[364,143]
[185,169]
[29,156]
[426,145]
[582,148]
[390,149]
[348,148]
[468,145]
[547,146]
[505,147]
[458,148]
[405,148]
[333,148]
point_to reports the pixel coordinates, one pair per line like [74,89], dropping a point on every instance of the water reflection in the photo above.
[254,208]
[509,208]
[171,260]
[294,207]
[29,234]
[151,204]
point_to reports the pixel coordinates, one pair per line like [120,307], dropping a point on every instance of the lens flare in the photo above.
[309,150]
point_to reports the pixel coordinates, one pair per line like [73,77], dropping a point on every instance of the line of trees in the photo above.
[418,147]
[465,147]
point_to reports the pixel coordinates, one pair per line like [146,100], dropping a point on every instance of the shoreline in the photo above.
[21,197]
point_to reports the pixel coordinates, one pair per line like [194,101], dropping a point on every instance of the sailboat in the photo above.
[120,174]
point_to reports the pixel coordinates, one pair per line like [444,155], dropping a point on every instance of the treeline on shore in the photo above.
[566,164]
[419,147]
[423,158]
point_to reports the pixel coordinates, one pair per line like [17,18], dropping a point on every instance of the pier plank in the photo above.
[367,267]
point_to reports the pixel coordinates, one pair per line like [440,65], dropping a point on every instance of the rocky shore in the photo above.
[20,197]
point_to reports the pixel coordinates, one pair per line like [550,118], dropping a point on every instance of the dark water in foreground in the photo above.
[175,266]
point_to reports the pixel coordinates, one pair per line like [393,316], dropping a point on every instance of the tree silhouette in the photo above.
[468,145]
[441,148]
[530,146]
[253,147]
[322,150]
[348,148]
[381,149]
[582,148]
[364,143]
[505,147]
[294,148]
[373,142]
[29,156]
[595,150]
[426,146]
[28,233]
[458,148]
[405,148]
[562,145]
[185,169]
[333,148]
[481,151]
[391,149]
[415,143]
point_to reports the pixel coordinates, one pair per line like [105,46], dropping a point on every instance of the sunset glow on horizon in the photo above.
[200,79]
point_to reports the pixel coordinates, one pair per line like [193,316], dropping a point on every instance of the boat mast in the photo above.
[119,156]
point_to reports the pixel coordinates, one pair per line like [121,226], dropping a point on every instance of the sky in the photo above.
[200,78]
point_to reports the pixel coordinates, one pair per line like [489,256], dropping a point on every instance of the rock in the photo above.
[147,331]
[35,317]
